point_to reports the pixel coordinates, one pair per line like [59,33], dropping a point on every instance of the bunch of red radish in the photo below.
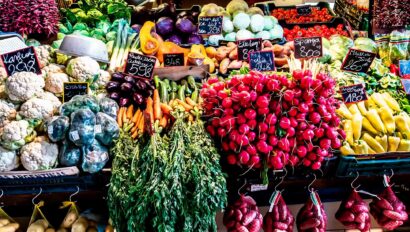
[278,119]
[279,217]
[388,210]
[243,216]
[354,213]
[312,216]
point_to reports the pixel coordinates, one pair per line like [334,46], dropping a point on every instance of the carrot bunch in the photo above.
[131,121]
[158,111]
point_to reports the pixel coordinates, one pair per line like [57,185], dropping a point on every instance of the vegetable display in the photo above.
[244,215]
[354,213]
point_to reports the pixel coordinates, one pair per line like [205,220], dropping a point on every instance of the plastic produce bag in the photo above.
[279,216]
[57,128]
[109,106]
[354,213]
[94,157]
[71,216]
[80,102]
[244,215]
[106,129]
[38,222]
[7,223]
[312,216]
[82,127]
[399,42]
[69,155]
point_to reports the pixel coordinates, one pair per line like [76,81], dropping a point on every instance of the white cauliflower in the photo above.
[37,108]
[8,160]
[241,21]
[257,23]
[55,82]
[24,85]
[3,73]
[15,134]
[43,53]
[52,68]
[50,97]
[103,79]
[7,112]
[83,69]
[39,155]
[3,77]
[227,25]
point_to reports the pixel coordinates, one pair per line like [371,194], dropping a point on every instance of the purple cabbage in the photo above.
[164,26]
[195,39]
[175,39]
[185,26]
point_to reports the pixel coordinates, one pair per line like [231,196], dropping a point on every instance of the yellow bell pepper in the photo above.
[402,126]
[379,100]
[361,148]
[348,128]
[346,149]
[393,143]
[344,112]
[353,108]
[368,127]
[375,120]
[362,108]
[387,119]
[383,141]
[404,145]
[391,102]
[370,104]
[357,125]
[373,144]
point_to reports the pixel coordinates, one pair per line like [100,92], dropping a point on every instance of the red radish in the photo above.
[325,143]
[221,132]
[255,160]
[262,101]
[227,102]
[229,111]
[314,117]
[306,162]
[250,114]
[251,136]
[241,119]
[291,131]
[288,95]
[284,123]
[273,140]
[243,129]
[263,111]
[231,159]
[271,119]
[319,132]
[244,157]
[301,151]
[251,150]
[336,143]
[252,124]
[263,136]
[308,134]
[283,144]
[301,117]
[302,126]
[263,127]
[253,95]
[316,165]
[262,146]
[293,112]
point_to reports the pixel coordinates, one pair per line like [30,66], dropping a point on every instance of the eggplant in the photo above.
[126,87]
[129,79]
[138,98]
[149,84]
[124,101]
[113,86]
[142,14]
[114,96]
[117,77]
[136,28]
[141,85]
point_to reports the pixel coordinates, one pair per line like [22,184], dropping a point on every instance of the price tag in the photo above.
[406,85]
[353,93]
[74,135]
[140,66]
[357,61]
[404,66]
[210,25]
[23,60]
[71,89]
[97,128]
[262,61]
[50,130]
[174,59]
[248,46]
[303,9]
[258,187]
[308,47]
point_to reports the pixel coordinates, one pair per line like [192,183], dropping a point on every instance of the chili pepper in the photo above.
[375,120]
[371,151]
[361,148]
[379,100]
[368,126]
[393,143]
[398,134]
[383,141]
[402,125]
[387,119]
[353,108]
[362,107]
[346,149]
[391,102]
[373,144]
[406,118]
[394,69]
[404,145]
[370,104]
[357,125]
[348,129]
[344,112]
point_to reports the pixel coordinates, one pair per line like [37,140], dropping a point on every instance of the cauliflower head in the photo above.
[8,160]
[83,69]
[3,73]
[103,79]
[7,112]
[22,86]
[39,155]
[52,68]
[16,133]
[37,108]
[54,82]
[257,23]
[44,54]
[50,97]
[241,21]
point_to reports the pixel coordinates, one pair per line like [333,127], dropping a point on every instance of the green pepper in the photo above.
[194,95]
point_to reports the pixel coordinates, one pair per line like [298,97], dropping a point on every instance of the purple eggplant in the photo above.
[129,79]
[141,85]
[124,101]
[117,77]
[114,96]
[138,98]
[126,87]
[113,86]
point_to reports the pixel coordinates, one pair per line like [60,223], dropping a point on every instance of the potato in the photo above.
[92,223]
[69,219]
[109,228]
[233,55]
[278,49]
[50,230]
[235,64]
[38,226]
[4,221]
[12,227]
[62,230]
[210,52]
[80,225]
[223,66]
[92,229]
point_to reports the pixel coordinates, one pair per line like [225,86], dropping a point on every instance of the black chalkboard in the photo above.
[72,89]
[262,61]
[406,85]
[357,61]
[140,66]
[304,10]
[23,60]
[308,47]
[173,59]
[248,46]
[210,25]
[353,93]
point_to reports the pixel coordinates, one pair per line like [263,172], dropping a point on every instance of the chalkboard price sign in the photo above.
[72,89]
[262,61]
[173,59]
[23,60]
[404,66]
[210,25]
[248,46]
[303,10]
[406,85]
[353,93]
[140,66]
[358,61]
[308,47]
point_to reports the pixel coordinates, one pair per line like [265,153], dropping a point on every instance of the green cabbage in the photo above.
[365,44]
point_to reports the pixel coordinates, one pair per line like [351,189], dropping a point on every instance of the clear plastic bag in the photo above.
[109,106]
[94,157]
[312,216]
[82,127]
[279,216]
[354,213]
[7,223]
[38,222]
[106,129]
[57,128]
[69,155]
[71,216]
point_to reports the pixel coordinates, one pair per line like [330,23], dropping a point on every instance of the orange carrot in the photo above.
[185,105]
[141,124]
[164,121]
[190,118]
[119,116]
[150,109]
[190,101]
[130,111]
[156,106]
[134,134]
[166,109]
[136,116]
[124,116]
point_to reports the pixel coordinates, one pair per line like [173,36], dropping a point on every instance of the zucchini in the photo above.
[163,92]
[191,82]
[174,86]
[188,91]
[156,81]
[181,93]
[167,84]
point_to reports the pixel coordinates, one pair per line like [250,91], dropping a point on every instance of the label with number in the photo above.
[308,47]
[404,66]
[303,10]
[248,46]
[173,59]
[71,89]
[406,85]
[258,187]
[23,60]
[262,61]
[140,65]
[353,93]
[357,61]
[211,25]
